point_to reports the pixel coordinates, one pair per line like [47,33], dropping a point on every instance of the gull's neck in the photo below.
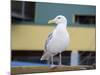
[61,26]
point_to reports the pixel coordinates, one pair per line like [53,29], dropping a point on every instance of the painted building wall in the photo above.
[46,11]
[32,37]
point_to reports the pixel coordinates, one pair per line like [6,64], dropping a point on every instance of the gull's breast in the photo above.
[58,43]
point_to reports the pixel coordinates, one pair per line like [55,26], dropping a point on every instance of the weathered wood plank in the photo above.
[42,69]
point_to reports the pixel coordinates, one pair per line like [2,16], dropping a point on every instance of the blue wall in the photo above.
[47,11]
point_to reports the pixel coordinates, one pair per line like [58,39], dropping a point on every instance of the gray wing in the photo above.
[47,41]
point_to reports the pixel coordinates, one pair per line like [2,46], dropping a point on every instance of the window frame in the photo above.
[78,24]
[23,17]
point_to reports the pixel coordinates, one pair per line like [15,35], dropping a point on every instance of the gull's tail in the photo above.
[45,56]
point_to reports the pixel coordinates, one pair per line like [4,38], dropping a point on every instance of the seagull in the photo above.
[57,41]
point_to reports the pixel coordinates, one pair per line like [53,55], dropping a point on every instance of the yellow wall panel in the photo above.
[32,37]
[82,38]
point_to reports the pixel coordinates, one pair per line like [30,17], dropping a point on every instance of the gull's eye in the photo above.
[59,17]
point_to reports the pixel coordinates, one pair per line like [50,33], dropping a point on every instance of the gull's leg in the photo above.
[48,61]
[52,64]
[51,59]
[60,60]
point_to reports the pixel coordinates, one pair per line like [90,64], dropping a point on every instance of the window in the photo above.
[85,19]
[87,58]
[22,11]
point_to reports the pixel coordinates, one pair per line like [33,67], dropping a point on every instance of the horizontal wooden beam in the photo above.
[42,69]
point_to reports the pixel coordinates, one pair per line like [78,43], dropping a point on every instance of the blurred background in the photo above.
[29,30]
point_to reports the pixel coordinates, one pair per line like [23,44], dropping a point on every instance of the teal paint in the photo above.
[47,11]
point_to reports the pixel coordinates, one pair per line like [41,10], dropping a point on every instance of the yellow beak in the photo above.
[51,21]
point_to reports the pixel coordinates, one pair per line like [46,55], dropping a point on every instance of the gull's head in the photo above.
[59,19]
